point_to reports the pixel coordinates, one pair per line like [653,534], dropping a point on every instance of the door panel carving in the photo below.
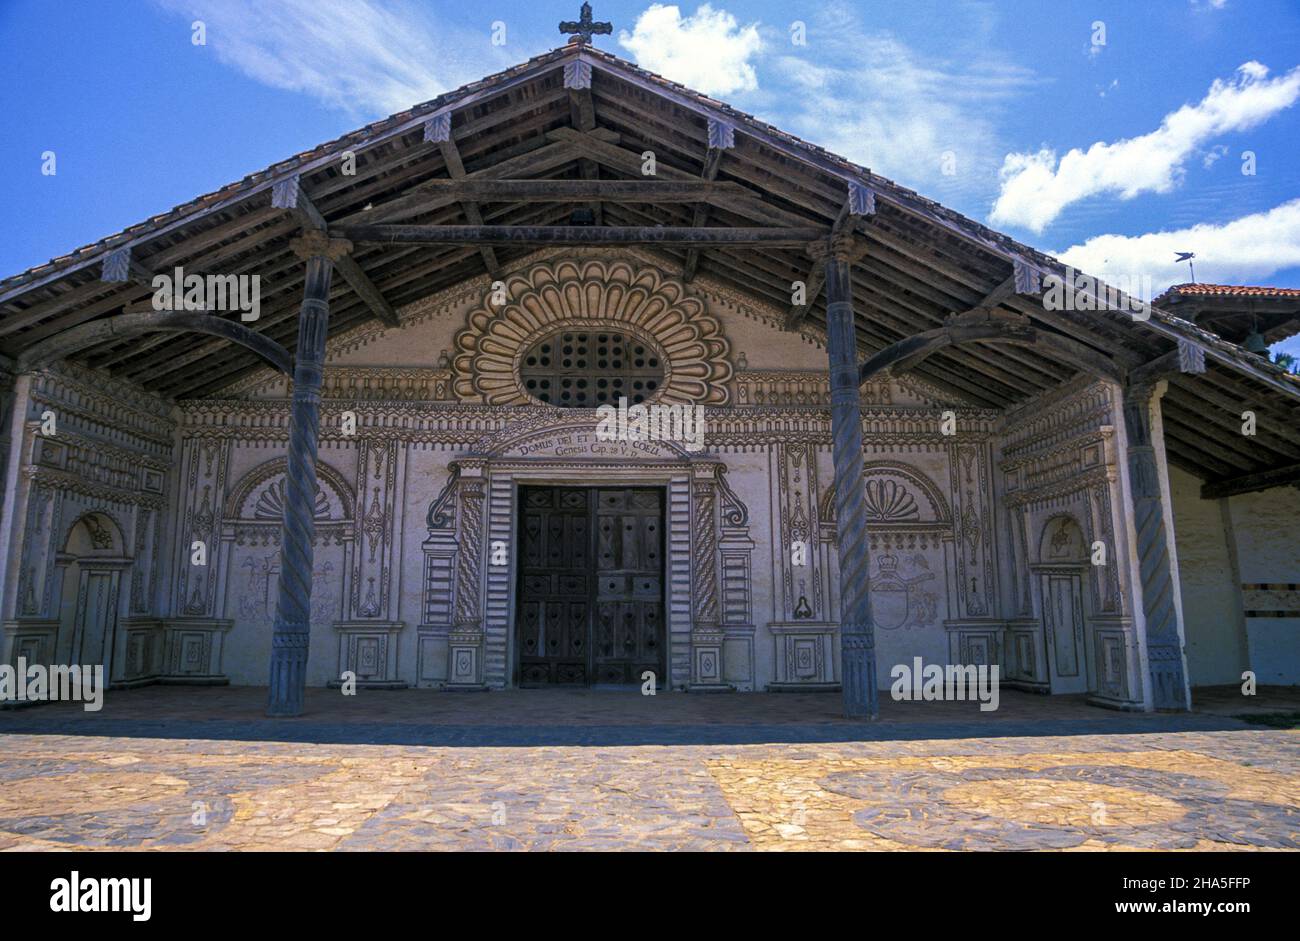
[590,606]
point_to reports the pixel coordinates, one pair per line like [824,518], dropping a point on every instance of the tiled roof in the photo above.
[1225,290]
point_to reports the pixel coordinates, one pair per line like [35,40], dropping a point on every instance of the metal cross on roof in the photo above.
[583,28]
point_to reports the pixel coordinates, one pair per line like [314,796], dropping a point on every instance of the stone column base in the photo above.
[31,640]
[465,658]
[192,651]
[804,656]
[368,649]
[1024,657]
[706,661]
[139,657]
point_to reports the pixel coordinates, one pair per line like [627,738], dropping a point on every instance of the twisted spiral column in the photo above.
[1164,648]
[857,640]
[292,630]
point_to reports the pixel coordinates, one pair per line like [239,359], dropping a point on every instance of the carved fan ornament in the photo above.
[595,295]
[270,505]
[890,502]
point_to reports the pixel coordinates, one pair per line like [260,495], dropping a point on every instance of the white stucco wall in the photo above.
[1268,553]
[1212,614]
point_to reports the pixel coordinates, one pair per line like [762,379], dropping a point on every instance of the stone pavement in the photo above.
[174,768]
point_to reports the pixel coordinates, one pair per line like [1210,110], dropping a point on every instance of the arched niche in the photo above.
[94,534]
[258,497]
[1062,542]
[91,566]
[895,494]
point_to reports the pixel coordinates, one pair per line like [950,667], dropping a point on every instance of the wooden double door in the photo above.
[590,594]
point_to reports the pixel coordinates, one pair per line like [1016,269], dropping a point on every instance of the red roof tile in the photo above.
[1238,290]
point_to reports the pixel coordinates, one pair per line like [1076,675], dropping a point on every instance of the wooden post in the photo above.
[292,630]
[857,641]
[1164,646]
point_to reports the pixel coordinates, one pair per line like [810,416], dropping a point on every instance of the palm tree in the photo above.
[1287,361]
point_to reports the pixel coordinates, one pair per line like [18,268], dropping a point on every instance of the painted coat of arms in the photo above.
[898,597]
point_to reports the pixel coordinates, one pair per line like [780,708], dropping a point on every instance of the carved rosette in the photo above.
[595,294]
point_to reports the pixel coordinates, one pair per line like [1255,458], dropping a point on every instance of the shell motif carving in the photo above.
[594,294]
[890,502]
[270,505]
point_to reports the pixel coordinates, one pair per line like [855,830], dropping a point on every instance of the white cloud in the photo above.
[865,94]
[1036,187]
[708,51]
[1213,155]
[1243,251]
[365,57]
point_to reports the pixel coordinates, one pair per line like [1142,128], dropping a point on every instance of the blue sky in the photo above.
[1109,133]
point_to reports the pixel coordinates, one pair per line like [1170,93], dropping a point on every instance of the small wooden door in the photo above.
[92,627]
[629,586]
[556,585]
[590,604]
[1063,618]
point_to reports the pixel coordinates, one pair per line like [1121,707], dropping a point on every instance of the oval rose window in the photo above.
[585,368]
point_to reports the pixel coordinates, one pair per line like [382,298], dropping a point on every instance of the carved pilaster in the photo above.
[706,553]
[1163,632]
[465,640]
[440,553]
[372,569]
[735,551]
[706,630]
[973,519]
[206,463]
[796,534]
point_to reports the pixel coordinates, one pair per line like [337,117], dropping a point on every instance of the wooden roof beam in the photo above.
[123,325]
[438,131]
[1249,483]
[860,203]
[721,137]
[886,292]
[425,197]
[566,191]
[289,195]
[708,236]
[910,352]
[582,112]
[1264,447]
[741,200]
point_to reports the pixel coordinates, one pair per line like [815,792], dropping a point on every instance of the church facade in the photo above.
[477,527]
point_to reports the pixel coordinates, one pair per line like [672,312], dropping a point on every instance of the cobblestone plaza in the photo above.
[557,770]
